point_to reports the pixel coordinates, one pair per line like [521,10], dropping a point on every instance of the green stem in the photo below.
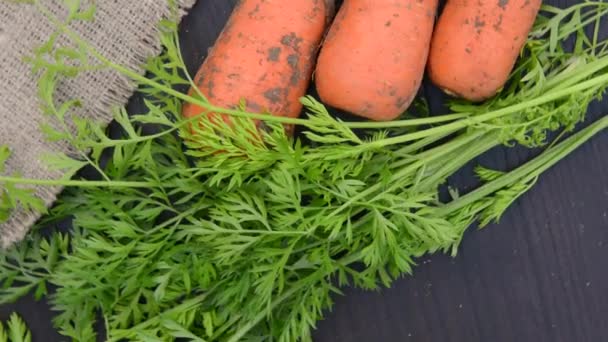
[34,275]
[467,153]
[422,159]
[76,183]
[566,79]
[529,170]
[437,154]
[182,65]
[418,146]
[217,231]
[407,122]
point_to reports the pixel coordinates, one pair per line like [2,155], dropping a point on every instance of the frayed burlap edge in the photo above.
[118,93]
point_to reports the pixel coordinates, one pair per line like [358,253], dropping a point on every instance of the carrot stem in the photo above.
[530,170]
[75,183]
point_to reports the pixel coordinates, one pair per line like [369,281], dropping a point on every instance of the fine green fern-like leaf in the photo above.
[5,153]
[13,197]
[15,330]
[503,200]
[487,175]
[3,335]
[28,266]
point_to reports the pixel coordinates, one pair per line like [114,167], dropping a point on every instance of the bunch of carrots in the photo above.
[367,59]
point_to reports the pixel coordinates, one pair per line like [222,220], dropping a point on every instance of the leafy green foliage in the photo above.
[5,153]
[15,330]
[13,196]
[28,266]
[229,230]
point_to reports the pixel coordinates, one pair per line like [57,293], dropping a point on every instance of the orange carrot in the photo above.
[264,55]
[373,58]
[476,44]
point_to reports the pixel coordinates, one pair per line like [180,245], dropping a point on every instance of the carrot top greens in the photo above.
[14,330]
[176,239]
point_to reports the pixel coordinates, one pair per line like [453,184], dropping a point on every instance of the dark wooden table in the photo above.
[540,275]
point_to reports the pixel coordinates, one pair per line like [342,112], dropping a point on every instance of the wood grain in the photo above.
[538,275]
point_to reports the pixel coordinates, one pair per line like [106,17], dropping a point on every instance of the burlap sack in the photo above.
[123,30]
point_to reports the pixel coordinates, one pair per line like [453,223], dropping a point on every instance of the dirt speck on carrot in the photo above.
[274,53]
[274,95]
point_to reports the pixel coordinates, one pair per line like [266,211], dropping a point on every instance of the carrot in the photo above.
[373,58]
[476,44]
[265,55]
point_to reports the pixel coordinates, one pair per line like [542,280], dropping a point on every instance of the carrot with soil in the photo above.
[476,44]
[265,55]
[373,59]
